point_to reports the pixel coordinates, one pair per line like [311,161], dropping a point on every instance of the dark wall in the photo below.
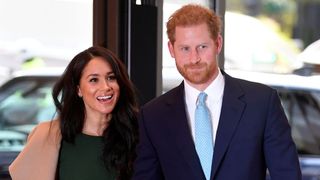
[308,25]
[144,50]
[130,31]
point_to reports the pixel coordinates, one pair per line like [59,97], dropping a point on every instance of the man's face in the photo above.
[195,53]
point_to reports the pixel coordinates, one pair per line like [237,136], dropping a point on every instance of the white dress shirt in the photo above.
[213,102]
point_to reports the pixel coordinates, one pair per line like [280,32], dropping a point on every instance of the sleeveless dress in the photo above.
[83,160]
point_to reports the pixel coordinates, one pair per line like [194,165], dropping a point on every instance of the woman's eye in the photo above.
[111,78]
[93,80]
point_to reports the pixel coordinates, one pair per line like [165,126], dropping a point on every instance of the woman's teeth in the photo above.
[104,97]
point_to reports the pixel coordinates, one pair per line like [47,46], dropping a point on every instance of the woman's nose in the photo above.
[106,85]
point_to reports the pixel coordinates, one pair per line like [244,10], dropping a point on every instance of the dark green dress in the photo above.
[82,160]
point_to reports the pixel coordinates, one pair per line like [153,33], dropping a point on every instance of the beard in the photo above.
[200,73]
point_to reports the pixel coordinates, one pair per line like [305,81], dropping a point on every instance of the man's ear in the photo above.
[171,49]
[219,43]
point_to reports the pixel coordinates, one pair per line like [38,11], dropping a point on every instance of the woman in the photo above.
[95,134]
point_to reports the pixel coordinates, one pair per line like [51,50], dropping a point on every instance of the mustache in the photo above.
[198,65]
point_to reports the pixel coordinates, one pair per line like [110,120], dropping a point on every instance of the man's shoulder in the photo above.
[246,85]
[166,98]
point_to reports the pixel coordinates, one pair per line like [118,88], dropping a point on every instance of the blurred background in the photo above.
[275,42]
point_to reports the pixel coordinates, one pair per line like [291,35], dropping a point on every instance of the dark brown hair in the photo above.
[120,137]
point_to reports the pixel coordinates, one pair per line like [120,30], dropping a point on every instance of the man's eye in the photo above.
[185,49]
[202,46]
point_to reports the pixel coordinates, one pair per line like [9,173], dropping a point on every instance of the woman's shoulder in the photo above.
[47,129]
[48,124]
[40,152]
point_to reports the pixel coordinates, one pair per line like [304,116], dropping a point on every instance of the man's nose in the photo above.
[195,56]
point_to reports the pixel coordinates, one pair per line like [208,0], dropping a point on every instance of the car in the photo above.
[25,101]
[310,59]
[4,74]
[311,54]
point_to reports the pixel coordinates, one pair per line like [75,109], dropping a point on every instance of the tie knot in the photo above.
[202,98]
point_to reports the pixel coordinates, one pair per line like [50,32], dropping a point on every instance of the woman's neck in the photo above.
[95,126]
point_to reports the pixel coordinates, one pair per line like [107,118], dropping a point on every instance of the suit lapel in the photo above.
[179,127]
[231,112]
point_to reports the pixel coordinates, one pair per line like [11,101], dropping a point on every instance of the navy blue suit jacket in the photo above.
[253,134]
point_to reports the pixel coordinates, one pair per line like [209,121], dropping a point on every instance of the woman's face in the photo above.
[98,87]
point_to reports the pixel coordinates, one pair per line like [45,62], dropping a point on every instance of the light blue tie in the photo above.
[203,135]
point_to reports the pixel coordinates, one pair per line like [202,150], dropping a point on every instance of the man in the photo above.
[247,132]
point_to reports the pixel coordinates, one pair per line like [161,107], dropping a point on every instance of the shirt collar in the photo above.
[214,90]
